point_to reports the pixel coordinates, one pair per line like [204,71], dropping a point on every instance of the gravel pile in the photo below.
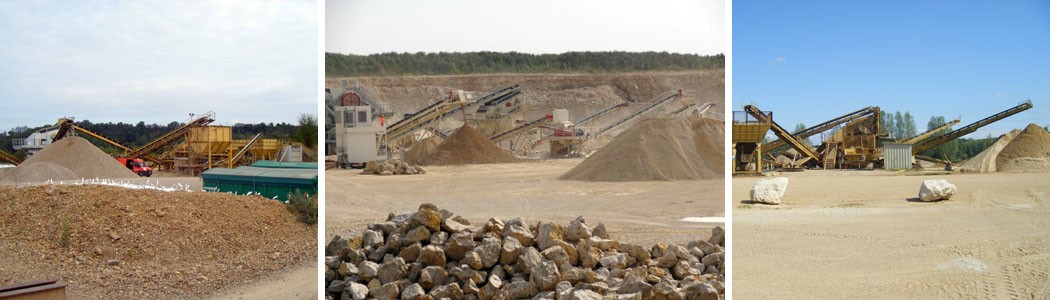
[464,147]
[70,158]
[435,254]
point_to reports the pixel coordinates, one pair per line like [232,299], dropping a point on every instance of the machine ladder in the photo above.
[808,132]
[11,159]
[520,129]
[782,133]
[927,134]
[831,156]
[166,139]
[652,104]
[941,139]
[237,156]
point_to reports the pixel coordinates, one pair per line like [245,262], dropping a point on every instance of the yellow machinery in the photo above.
[795,143]
[933,142]
[11,159]
[748,133]
[855,145]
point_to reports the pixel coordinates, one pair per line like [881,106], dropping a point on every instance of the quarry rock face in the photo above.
[936,190]
[769,191]
[515,260]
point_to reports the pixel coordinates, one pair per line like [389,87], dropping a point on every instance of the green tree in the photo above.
[306,133]
[898,125]
[909,125]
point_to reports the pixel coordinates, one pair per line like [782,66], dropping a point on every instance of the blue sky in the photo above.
[157,61]
[813,61]
[540,26]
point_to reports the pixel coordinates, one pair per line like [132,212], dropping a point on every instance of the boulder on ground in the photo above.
[769,191]
[936,190]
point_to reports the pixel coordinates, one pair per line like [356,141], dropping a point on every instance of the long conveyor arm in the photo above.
[941,139]
[4,156]
[166,139]
[652,104]
[929,133]
[600,113]
[520,129]
[782,133]
[808,132]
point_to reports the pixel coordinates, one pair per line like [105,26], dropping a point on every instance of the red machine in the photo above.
[136,165]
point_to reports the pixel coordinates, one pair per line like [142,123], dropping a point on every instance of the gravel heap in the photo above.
[116,243]
[70,158]
[681,148]
[467,146]
[1029,151]
[435,254]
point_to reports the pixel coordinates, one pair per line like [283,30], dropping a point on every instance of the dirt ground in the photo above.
[862,235]
[637,212]
[287,284]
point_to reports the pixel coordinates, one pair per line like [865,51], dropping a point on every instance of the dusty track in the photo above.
[637,212]
[849,235]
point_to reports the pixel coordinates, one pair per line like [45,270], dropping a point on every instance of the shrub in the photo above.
[303,206]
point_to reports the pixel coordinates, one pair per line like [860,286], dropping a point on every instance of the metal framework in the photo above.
[941,139]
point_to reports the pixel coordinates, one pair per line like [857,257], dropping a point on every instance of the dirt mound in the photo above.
[142,244]
[984,162]
[422,148]
[1028,152]
[680,148]
[467,146]
[70,158]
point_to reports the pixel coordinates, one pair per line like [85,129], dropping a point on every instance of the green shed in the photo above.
[285,165]
[273,183]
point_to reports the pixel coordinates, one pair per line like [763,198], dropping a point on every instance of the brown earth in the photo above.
[861,235]
[467,146]
[581,94]
[1028,152]
[681,148]
[167,245]
[67,159]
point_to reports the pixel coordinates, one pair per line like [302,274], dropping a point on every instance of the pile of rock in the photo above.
[392,167]
[435,254]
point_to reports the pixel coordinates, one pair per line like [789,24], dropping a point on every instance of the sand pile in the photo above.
[70,158]
[1028,152]
[984,162]
[679,148]
[422,148]
[143,244]
[467,146]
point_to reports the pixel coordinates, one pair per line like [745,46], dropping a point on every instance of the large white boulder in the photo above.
[769,191]
[936,190]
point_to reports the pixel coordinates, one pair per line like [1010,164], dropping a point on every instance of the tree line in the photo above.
[139,134]
[458,63]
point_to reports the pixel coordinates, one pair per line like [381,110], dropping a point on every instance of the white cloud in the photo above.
[156,61]
[778,60]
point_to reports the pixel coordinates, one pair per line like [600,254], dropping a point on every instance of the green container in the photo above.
[273,183]
[285,165]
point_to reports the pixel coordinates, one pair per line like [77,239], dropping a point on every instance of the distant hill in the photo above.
[444,63]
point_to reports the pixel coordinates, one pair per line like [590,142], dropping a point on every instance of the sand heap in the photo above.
[70,158]
[467,146]
[984,162]
[422,148]
[436,254]
[116,243]
[1028,152]
[679,148]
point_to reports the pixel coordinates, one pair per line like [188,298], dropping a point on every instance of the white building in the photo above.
[36,141]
